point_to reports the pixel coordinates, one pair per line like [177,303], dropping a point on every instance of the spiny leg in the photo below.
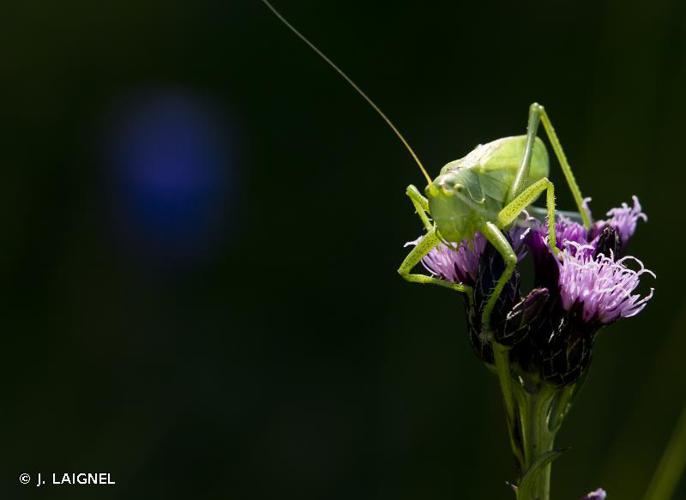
[421,205]
[566,168]
[525,165]
[496,237]
[500,352]
[526,198]
[425,245]
[537,114]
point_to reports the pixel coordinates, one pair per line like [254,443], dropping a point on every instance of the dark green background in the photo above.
[291,361]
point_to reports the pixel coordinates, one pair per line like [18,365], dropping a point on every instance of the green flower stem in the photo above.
[537,441]
[502,368]
[534,412]
[671,467]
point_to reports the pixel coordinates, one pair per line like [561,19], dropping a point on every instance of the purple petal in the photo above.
[598,494]
[456,263]
[602,286]
[623,219]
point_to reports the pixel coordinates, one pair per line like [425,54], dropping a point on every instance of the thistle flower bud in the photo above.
[491,267]
[559,346]
[520,318]
[608,242]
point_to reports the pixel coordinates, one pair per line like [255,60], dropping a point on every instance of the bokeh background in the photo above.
[201,225]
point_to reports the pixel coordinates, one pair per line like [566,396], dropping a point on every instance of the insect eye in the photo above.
[449,186]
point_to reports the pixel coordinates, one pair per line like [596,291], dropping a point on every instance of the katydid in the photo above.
[484,191]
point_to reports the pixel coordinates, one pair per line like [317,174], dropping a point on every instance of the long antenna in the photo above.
[353,85]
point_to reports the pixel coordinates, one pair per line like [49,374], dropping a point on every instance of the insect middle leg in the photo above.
[496,238]
[500,352]
[526,198]
[537,114]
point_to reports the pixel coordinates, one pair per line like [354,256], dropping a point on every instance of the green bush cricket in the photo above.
[484,191]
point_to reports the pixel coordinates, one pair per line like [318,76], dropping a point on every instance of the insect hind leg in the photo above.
[537,114]
[512,210]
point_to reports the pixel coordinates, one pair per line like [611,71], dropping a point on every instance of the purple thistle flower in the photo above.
[598,494]
[589,288]
[567,231]
[623,219]
[456,263]
[601,285]
[551,329]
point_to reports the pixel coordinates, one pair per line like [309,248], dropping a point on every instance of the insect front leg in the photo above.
[421,205]
[526,198]
[537,114]
[425,245]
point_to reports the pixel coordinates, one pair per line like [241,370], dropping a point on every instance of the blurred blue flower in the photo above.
[174,176]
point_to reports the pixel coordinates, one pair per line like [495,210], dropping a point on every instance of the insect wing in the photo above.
[496,183]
